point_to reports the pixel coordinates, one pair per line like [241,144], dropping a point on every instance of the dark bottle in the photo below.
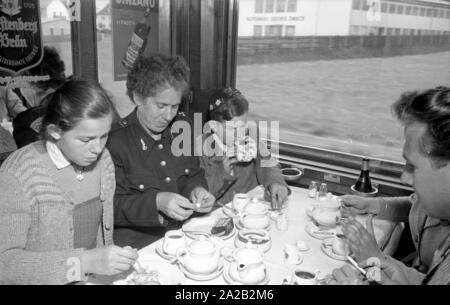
[363,184]
[138,41]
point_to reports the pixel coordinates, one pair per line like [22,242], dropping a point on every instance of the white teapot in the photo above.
[200,257]
[326,216]
[255,216]
[247,265]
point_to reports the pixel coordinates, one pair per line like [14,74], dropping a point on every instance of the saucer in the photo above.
[202,277]
[240,226]
[320,232]
[204,225]
[160,251]
[228,278]
[327,248]
[168,274]
[229,212]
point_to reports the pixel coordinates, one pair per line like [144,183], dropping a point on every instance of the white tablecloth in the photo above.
[314,259]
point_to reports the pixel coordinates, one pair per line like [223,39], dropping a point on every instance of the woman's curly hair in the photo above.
[152,74]
[431,107]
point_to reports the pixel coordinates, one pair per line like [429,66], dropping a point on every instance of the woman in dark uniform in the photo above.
[155,189]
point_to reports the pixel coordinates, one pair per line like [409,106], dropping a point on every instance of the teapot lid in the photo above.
[202,246]
[248,254]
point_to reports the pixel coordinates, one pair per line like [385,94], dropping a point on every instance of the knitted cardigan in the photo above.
[36,221]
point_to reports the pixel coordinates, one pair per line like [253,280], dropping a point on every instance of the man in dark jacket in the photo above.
[155,189]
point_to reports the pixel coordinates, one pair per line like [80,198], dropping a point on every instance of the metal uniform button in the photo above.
[186,171]
[107,227]
[163,163]
[141,187]
[168,179]
[160,146]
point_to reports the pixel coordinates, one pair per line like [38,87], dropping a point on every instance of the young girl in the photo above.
[233,161]
[56,203]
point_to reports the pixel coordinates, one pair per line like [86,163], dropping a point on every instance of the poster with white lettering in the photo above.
[135,31]
[20,35]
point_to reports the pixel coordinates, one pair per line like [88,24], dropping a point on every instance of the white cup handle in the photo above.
[181,254]
[227,253]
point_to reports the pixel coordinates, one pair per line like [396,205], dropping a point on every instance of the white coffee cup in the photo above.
[304,277]
[173,240]
[240,200]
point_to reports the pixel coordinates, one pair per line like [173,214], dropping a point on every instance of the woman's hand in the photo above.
[204,198]
[108,260]
[362,243]
[174,205]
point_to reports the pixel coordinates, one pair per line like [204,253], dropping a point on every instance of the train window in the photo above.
[331,84]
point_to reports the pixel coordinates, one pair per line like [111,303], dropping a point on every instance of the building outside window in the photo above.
[400,9]
[257,30]
[259,6]
[392,8]
[408,10]
[341,103]
[281,6]
[290,30]
[274,30]
[423,11]
[270,6]
[292,6]
[384,7]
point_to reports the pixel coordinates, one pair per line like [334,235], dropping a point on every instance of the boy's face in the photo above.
[234,129]
[431,183]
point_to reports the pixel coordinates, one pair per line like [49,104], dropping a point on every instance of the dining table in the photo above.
[278,271]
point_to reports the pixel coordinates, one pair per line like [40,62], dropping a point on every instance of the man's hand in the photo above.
[347,276]
[362,242]
[359,205]
[174,205]
[203,200]
[392,273]
[277,193]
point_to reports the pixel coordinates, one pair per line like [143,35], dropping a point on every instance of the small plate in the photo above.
[202,277]
[168,274]
[327,248]
[160,251]
[240,226]
[229,279]
[319,232]
[203,225]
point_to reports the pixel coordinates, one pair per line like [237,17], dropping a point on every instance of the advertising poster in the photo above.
[127,16]
[20,35]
